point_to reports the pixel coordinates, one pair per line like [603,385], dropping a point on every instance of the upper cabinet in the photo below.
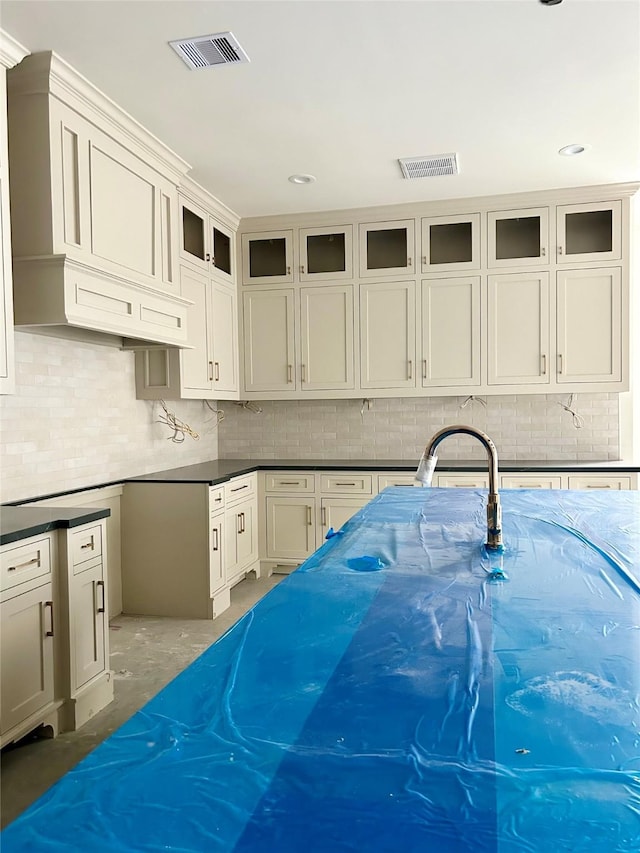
[94,210]
[205,242]
[387,248]
[518,238]
[589,232]
[326,253]
[267,258]
[451,243]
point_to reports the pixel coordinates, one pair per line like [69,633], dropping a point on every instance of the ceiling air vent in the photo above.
[429,167]
[204,51]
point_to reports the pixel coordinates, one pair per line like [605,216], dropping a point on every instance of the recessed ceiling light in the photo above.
[301,179]
[570,150]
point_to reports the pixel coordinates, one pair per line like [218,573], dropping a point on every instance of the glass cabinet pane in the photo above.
[268,257]
[387,248]
[326,253]
[518,238]
[222,251]
[451,243]
[192,233]
[589,231]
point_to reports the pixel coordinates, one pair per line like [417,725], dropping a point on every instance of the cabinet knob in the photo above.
[301,269]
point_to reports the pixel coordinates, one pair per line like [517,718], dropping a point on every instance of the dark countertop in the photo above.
[20,522]
[219,470]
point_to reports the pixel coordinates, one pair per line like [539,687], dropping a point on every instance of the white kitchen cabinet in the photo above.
[326,337]
[28,625]
[269,351]
[518,238]
[599,481]
[451,331]
[335,511]
[387,248]
[217,554]
[290,527]
[267,257]
[206,243]
[518,329]
[531,481]
[468,480]
[589,325]
[401,478]
[451,243]
[326,254]
[590,232]
[241,518]
[224,325]
[388,335]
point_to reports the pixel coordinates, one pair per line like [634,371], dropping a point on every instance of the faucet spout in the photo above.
[428,463]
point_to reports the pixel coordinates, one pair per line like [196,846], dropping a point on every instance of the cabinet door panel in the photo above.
[267,257]
[518,238]
[387,335]
[88,625]
[193,233]
[291,530]
[122,233]
[451,243]
[518,329]
[451,332]
[26,656]
[337,511]
[268,341]
[217,553]
[590,325]
[197,363]
[326,331]
[225,358]
[589,232]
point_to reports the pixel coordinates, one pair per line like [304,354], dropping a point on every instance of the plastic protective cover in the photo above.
[402,691]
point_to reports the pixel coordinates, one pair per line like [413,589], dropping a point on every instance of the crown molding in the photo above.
[11,51]
[199,195]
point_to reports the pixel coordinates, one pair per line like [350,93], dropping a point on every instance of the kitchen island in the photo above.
[404,690]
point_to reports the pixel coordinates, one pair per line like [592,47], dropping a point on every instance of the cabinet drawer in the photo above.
[531,481]
[239,489]
[289,482]
[85,544]
[385,480]
[216,498]
[463,481]
[25,562]
[358,484]
[611,483]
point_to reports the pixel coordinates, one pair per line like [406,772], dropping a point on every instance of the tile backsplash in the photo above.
[522,427]
[74,421]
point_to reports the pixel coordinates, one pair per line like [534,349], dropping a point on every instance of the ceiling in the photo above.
[342,89]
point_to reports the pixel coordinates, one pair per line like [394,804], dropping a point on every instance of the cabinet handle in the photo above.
[559,362]
[288,270]
[213,260]
[560,250]
[544,364]
[289,373]
[424,368]
[410,369]
[216,366]
[210,371]
[218,500]
[303,373]
[424,260]
[88,544]
[49,604]
[239,526]
[409,262]
[543,251]
[289,482]
[215,544]
[100,586]
[346,484]
[301,269]
[33,562]
[207,257]
[323,513]
[309,521]
[239,488]
[605,486]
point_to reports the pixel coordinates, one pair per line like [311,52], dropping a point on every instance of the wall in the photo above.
[75,421]
[522,427]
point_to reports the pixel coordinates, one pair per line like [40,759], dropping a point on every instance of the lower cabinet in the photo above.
[184,545]
[53,631]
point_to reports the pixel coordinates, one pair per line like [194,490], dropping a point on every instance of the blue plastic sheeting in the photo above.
[402,691]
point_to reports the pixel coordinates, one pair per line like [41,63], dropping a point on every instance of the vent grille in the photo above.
[429,167]
[205,51]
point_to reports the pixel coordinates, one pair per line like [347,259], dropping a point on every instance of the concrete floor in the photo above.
[146,653]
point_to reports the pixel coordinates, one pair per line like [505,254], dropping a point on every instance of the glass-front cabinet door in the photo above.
[193,235]
[221,243]
[450,243]
[267,257]
[326,253]
[589,232]
[387,248]
[518,238]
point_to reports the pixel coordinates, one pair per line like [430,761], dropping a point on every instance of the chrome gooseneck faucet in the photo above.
[427,465]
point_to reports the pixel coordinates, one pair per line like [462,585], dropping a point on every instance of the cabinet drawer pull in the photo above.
[89,544]
[33,562]
[100,586]
[218,499]
[603,486]
[346,484]
[215,544]
[216,366]
[289,482]
[49,604]
[240,488]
